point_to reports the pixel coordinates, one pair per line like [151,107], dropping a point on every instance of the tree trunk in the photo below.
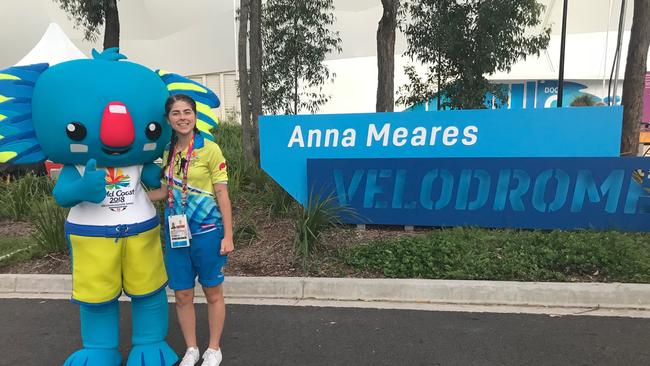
[295,86]
[295,66]
[256,73]
[244,86]
[635,69]
[386,57]
[439,78]
[112,24]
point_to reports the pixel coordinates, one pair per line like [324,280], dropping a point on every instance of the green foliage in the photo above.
[584,100]
[240,170]
[245,180]
[417,91]
[16,248]
[278,202]
[18,196]
[87,14]
[245,230]
[13,243]
[462,41]
[49,218]
[296,38]
[311,221]
[481,254]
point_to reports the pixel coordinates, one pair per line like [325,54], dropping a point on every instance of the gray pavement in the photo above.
[490,293]
[44,332]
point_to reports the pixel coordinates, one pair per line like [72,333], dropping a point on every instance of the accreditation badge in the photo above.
[179,231]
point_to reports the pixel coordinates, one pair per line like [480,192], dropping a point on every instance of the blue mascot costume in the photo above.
[103,118]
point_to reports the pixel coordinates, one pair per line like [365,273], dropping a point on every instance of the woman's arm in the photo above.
[221,191]
[158,194]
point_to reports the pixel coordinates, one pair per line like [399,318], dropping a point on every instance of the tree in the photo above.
[91,15]
[386,56]
[584,100]
[635,69]
[296,39]
[250,81]
[244,85]
[417,90]
[255,48]
[462,41]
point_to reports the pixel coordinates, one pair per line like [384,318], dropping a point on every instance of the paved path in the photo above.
[44,332]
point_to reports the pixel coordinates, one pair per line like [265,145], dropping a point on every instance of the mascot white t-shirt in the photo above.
[126,201]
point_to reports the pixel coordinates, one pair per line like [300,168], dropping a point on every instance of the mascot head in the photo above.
[101,108]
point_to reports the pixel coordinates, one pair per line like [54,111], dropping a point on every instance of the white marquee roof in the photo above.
[53,48]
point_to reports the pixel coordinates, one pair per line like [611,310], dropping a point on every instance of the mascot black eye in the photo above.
[153,131]
[76,131]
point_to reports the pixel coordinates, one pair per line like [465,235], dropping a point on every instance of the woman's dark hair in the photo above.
[169,103]
[178,98]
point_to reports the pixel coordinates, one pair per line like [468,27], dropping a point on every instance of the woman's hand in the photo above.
[221,191]
[227,245]
[157,194]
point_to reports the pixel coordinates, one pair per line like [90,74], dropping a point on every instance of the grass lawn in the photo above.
[16,248]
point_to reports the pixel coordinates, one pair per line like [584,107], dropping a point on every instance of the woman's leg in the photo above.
[186,315]
[216,314]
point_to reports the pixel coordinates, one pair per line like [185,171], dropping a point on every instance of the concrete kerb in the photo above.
[545,294]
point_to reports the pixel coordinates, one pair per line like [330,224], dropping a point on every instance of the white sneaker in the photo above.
[212,357]
[191,357]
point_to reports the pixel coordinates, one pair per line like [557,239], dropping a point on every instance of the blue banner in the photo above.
[535,193]
[286,142]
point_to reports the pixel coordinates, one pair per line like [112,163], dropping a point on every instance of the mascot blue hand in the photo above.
[151,175]
[94,182]
[73,188]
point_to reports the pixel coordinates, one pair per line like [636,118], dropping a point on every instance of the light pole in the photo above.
[619,43]
[560,87]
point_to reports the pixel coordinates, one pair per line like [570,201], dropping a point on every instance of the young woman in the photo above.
[198,229]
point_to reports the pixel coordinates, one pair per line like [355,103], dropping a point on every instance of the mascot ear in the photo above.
[205,99]
[18,144]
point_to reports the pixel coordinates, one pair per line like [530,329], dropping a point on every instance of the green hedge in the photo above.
[483,254]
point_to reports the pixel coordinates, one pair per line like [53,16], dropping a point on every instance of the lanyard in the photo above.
[170,178]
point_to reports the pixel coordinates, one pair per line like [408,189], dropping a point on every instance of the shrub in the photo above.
[19,195]
[49,219]
[241,172]
[276,200]
[311,221]
[244,230]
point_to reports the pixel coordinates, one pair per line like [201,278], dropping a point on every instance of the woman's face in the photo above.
[182,118]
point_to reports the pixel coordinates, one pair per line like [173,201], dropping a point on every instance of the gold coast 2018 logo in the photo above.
[118,197]
[116,179]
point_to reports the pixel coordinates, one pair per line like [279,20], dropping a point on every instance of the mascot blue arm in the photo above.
[151,175]
[71,188]
[104,120]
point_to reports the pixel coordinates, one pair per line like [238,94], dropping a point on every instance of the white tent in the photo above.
[53,48]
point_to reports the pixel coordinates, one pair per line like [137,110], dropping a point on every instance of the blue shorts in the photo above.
[201,258]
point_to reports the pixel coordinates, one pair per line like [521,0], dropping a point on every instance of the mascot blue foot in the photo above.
[100,336]
[150,324]
[94,357]
[158,354]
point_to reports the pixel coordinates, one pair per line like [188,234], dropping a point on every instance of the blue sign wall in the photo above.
[286,142]
[529,94]
[544,193]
